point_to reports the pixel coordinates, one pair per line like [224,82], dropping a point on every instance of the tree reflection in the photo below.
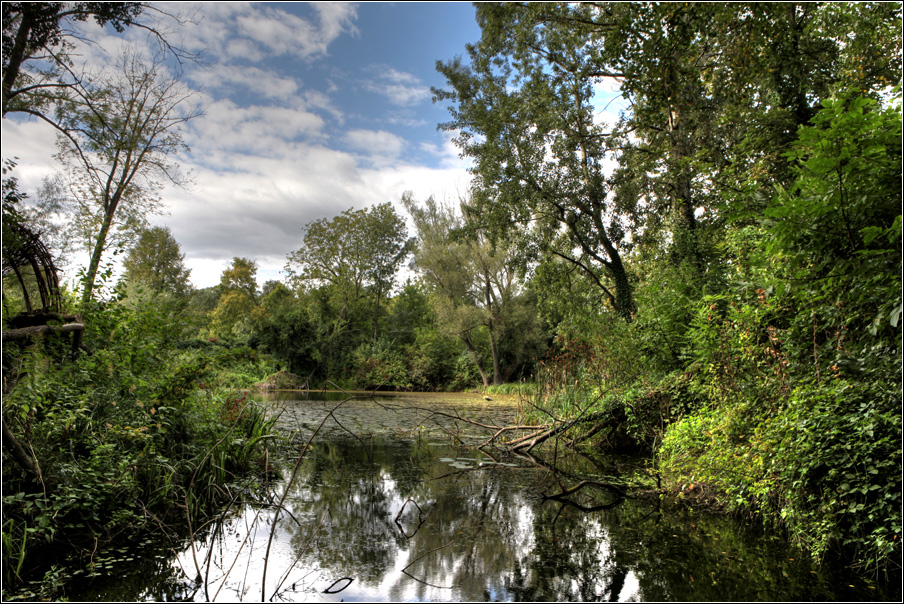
[486,533]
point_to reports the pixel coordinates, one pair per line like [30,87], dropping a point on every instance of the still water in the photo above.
[393,503]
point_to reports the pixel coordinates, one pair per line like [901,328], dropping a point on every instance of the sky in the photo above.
[309,110]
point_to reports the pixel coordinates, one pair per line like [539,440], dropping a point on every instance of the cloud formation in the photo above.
[399,87]
[287,136]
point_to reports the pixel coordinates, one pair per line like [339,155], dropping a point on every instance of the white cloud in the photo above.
[264,171]
[447,152]
[261,82]
[607,101]
[258,207]
[376,144]
[264,130]
[32,145]
[399,87]
[251,32]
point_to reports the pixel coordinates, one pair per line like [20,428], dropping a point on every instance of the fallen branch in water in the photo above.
[526,443]
[589,483]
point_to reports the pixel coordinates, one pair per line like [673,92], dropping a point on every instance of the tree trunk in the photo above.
[494,349]
[17,54]
[18,453]
[476,358]
[91,275]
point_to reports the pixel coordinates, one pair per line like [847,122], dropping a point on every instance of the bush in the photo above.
[122,437]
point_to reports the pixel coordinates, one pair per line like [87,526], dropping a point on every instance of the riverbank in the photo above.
[399,509]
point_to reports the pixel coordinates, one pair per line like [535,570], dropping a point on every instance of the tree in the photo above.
[474,281]
[527,121]
[38,47]
[156,262]
[241,276]
[37,32]
[357,254]
[716,94]
[232,317]
[120,136]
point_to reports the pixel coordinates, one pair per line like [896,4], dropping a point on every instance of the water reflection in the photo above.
[484,533]
[380,518]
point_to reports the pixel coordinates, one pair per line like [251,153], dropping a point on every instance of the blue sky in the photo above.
[309,110]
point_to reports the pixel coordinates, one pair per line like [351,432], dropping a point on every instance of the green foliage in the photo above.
[438,361]
[240,276]
[800,364]
[12,212]
[837,232]
[381,365]
[517,388]
[355,251]
[124,438]
[825,464]
[155,261]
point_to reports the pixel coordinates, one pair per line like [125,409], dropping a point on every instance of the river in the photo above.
[394,503]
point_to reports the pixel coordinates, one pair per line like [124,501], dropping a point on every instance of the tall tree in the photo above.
[241,276]
[523,111]
[715,91]
[39,42]
[475,283]
[156,262]
[232,317]
[357,254]
[38,33]
[120,138]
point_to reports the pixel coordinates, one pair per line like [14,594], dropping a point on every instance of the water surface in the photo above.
[393,503]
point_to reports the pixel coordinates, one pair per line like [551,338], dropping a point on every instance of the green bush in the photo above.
[123,438]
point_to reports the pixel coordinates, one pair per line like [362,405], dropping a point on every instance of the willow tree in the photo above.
[475,285]
[118,140]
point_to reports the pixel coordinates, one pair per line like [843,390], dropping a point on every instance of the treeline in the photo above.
[342,317]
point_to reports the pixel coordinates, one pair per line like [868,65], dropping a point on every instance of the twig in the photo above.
[588,483]
[405,570]
[285,493]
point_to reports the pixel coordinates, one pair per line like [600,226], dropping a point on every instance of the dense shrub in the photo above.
[124,438]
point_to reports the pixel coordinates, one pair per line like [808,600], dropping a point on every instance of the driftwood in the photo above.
[27,332]
[539,433]
[526,443]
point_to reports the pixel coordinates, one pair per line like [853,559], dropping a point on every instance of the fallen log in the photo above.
[530,441]
[27,332]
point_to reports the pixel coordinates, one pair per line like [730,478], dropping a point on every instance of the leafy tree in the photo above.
[156,262]
[236,308]
[716,93]
[121,134]
[357,254]
[39,43]
[527,121]
[241,277]
[12,211]
[36,33]
[475,283]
